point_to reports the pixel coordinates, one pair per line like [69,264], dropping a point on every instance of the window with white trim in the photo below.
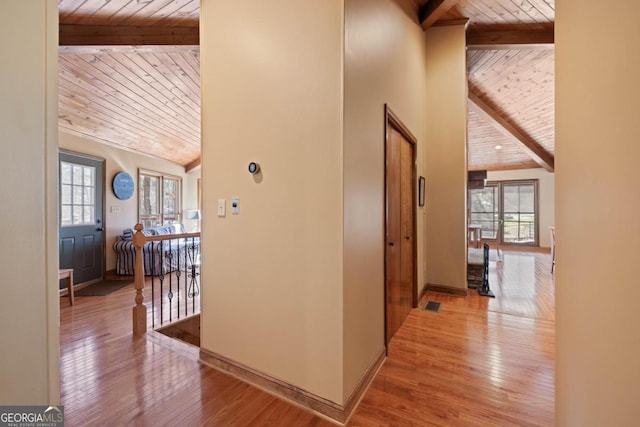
[159,198]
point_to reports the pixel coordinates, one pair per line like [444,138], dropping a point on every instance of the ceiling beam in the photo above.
[510,39]
[193,165]
[519,137]
[131,35]
[433,10]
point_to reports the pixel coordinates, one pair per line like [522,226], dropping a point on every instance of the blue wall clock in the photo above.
[123,186]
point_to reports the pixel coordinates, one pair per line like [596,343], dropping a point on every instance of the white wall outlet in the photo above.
[235,205]
[115,209]
[222,207]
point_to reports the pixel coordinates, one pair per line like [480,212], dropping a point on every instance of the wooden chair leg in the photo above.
[70,287]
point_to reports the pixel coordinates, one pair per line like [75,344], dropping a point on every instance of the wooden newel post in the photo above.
[139,310]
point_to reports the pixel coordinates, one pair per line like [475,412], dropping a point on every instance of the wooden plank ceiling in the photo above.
[116,91]
[130,76]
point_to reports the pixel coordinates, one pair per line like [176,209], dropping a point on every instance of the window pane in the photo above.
[65,194]
[77,215]
[170,196]
[526,198]
[65,215]
[511,198]
[65,173]
[77,195]
[148,199]
[88,196]
[89,176]
[88,214]
[77,174]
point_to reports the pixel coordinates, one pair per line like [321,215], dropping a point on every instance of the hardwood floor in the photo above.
[478,362]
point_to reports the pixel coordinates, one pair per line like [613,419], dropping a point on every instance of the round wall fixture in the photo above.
[254,168]
[123,186]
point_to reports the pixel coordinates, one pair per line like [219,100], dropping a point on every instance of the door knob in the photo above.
[390,243]
[407,237]
[100,229]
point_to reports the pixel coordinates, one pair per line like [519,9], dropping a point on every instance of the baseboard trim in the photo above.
[423,292]
[325,408]
[358,392]
[449,290]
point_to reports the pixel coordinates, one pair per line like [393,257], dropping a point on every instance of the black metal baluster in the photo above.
[169,257]
[161,278]
[178,276]
[153,286]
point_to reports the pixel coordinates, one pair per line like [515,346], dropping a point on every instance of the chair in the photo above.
[553,247]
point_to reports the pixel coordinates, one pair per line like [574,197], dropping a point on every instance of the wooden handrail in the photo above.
[139,239]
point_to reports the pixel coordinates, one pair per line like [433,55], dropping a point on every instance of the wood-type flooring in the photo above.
[477,362]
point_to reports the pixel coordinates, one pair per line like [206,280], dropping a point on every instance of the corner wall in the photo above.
[384,63]
[29,307]
[272,275]
[597,205]
[117,160]
[446,157]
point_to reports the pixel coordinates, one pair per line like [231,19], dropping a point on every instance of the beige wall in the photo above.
[384,63]
[597,205]
[117,160]
[272,275]
[546,196]
[29,310]
[446,157]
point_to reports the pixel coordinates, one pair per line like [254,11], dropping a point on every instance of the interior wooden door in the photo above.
[400,253]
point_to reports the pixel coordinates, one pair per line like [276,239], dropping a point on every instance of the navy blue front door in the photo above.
[81,188]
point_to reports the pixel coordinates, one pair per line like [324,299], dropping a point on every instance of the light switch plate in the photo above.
[222,207]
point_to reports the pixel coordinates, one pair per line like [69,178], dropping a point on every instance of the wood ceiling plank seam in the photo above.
[77,119]
[108,90]
[485,56]
[89,10]
[103,111]
[469,10]
[160,89]
[67,7]
[104,92]
[112,144]
[480,59]
[147,10]
[175,74]
[502,9]
[524,9]
[187,16]
[134,126]
[545,8]
[488,14]
[128,10]
[100,96]
[183,59]
[107,11]
[155,95]
[113,60]
[499,64]
[168,12]
[164,86]
[498,57]
[100,131]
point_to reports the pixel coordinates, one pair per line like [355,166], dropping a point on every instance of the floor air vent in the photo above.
[432,306]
